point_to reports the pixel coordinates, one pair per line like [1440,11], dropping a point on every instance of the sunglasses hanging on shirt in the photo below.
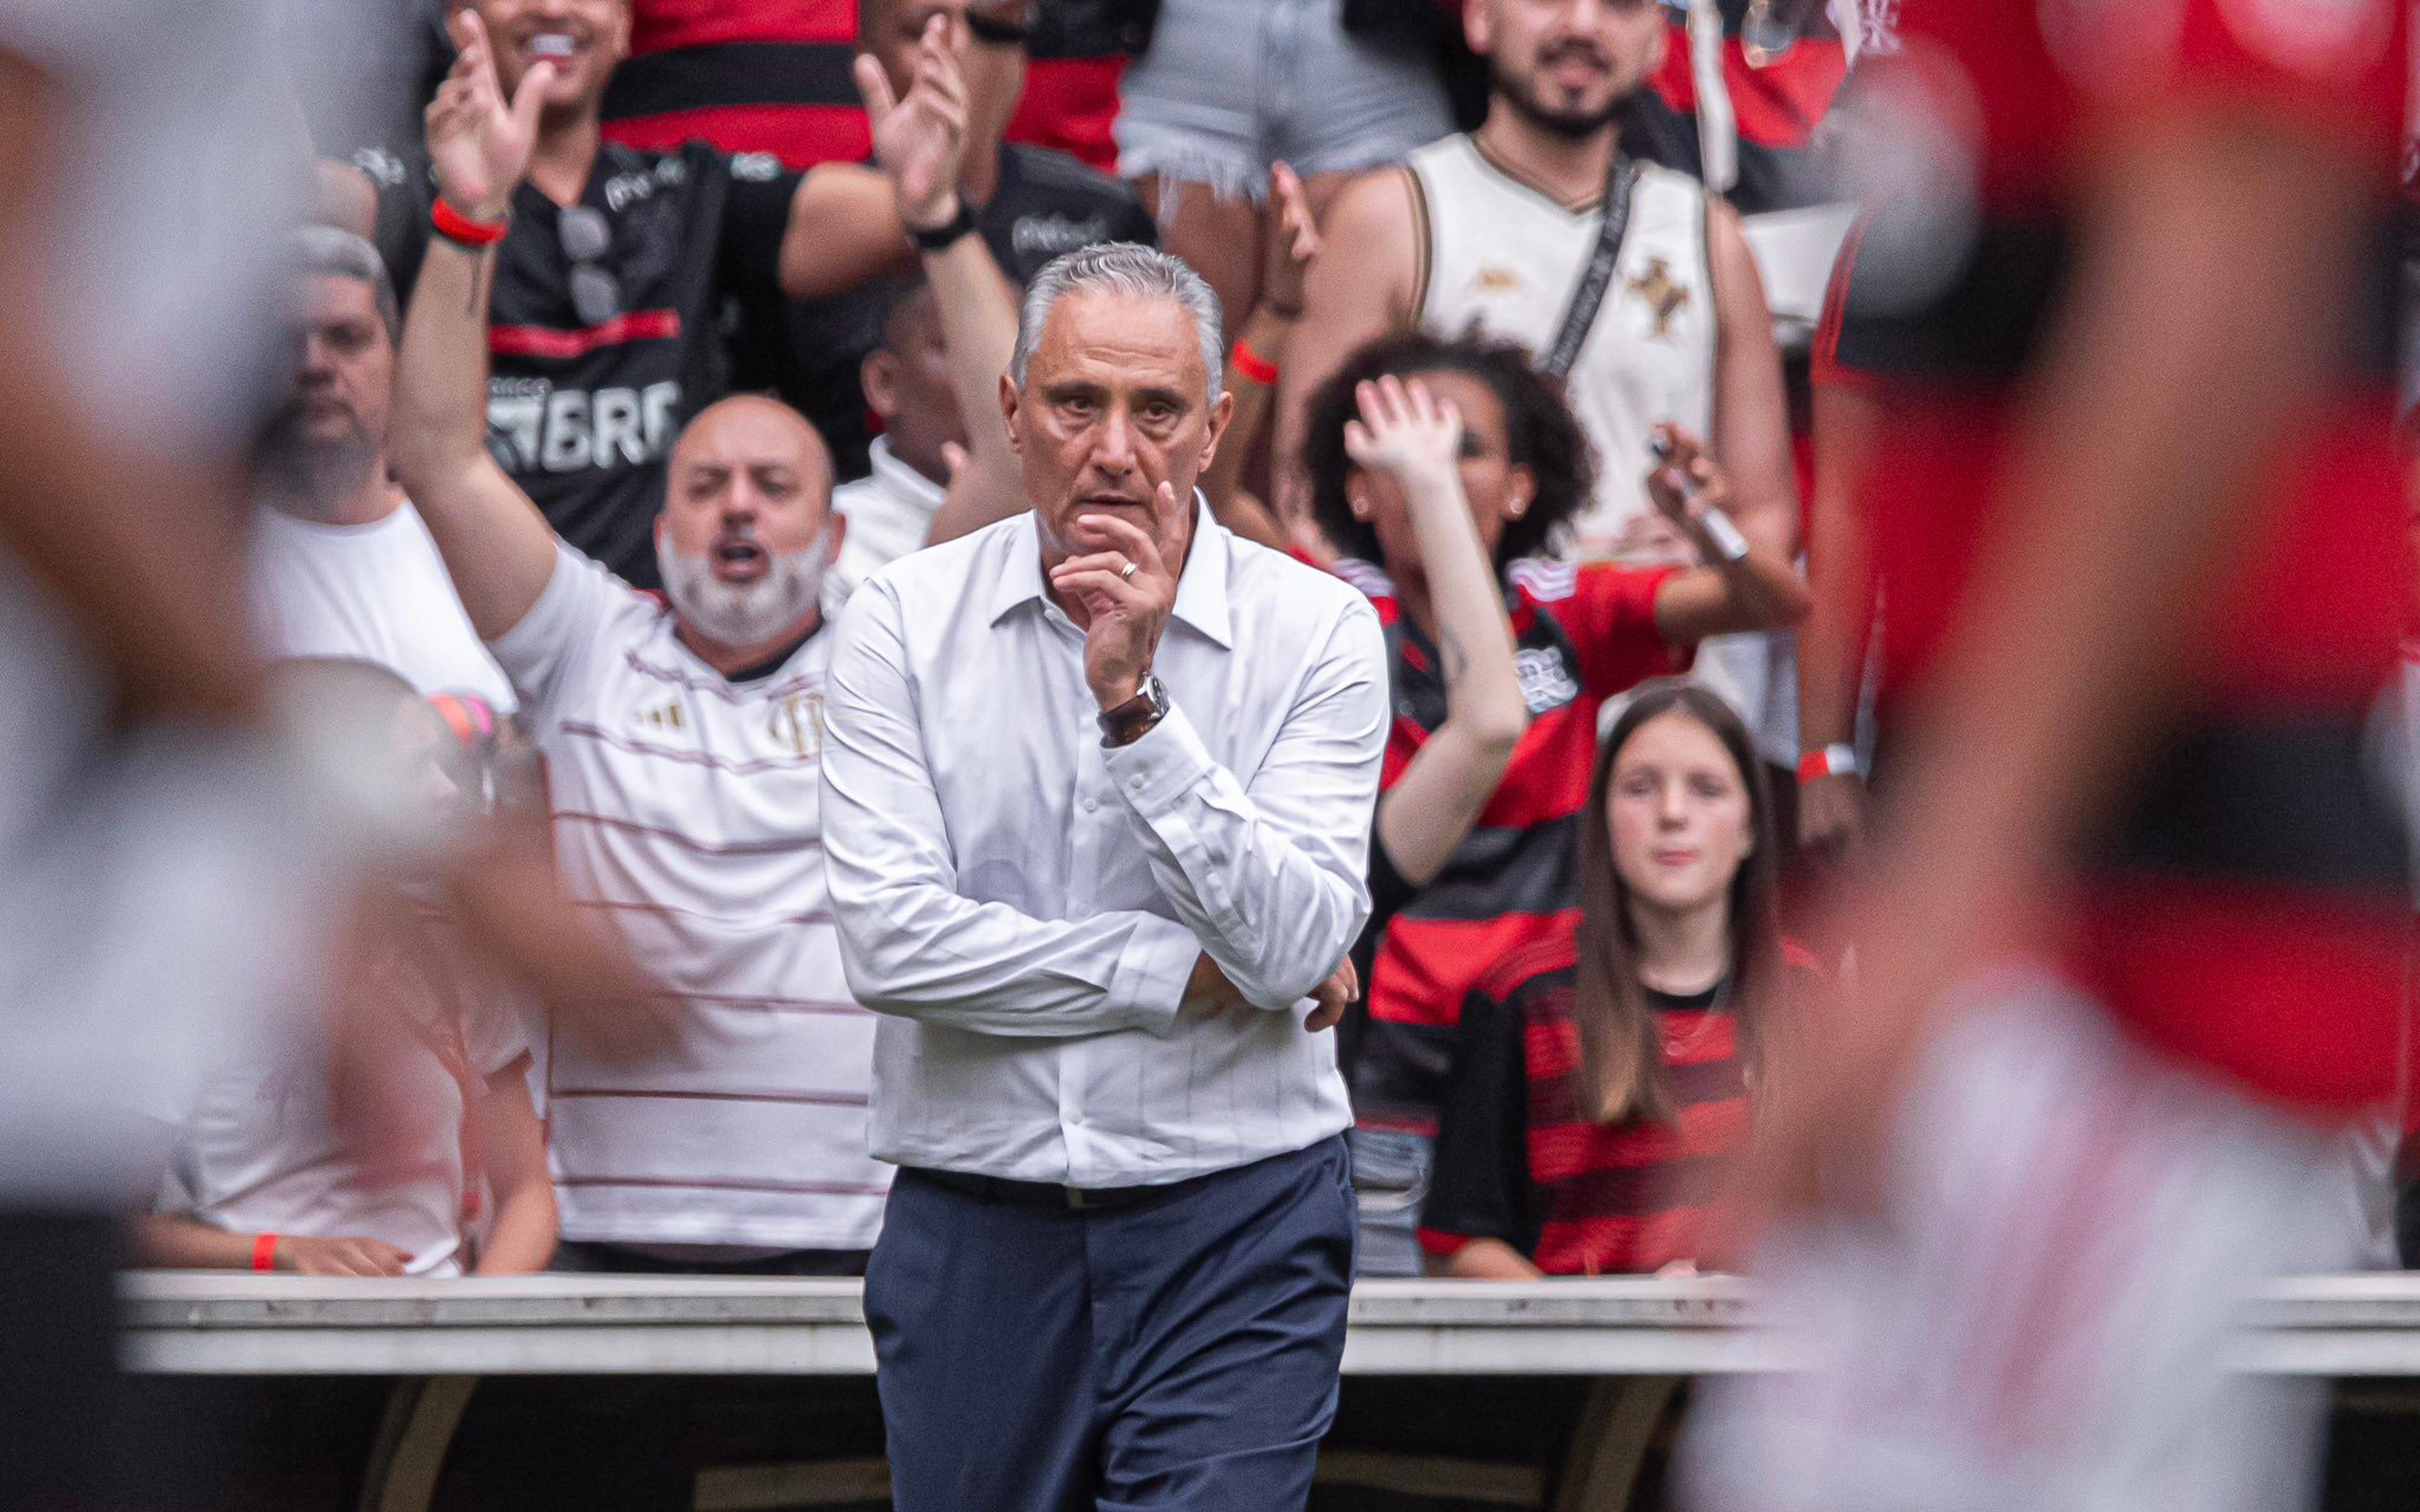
[587,237]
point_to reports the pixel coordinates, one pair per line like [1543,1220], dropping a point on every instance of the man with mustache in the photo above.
[1496,230]
[341,564]
[684,740]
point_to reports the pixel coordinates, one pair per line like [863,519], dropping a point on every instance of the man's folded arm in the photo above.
[1272,876]
[911,945]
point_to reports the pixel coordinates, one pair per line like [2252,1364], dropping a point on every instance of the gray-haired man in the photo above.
[1097,792]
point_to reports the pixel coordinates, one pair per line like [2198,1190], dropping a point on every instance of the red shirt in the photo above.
[2250,919]
[1582,635]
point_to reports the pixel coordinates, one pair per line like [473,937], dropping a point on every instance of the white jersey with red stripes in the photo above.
[687,817]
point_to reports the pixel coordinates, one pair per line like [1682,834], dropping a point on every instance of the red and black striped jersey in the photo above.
[2248,910]
[1518,1160]
[746,75]
[1582,634]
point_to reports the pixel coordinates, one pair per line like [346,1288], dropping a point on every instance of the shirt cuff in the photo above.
[1151,972]
[1152,771]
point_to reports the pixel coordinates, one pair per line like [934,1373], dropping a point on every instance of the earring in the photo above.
[1360,505]
[1516,506]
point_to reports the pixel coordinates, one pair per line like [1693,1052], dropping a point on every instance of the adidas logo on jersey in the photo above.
[668,717]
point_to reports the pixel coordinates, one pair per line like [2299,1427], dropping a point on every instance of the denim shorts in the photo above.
[1391,1185]
[1230,86]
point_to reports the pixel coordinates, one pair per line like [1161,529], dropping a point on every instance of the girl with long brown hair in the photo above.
[1602,1076]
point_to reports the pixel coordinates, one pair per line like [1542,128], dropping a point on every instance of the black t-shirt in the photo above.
[1046,203]
[582,415]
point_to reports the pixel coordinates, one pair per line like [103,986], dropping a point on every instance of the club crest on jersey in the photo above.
[796,723]
[1664,299]
[1547,683]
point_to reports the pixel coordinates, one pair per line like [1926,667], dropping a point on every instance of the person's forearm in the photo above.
[845,231]
[1441,794]
[523,1240]
[164,1242]
[1765,589]
[440,378]
[978,317]
[1268,335]
[1270,877]
[1831,644]
[1487,1259]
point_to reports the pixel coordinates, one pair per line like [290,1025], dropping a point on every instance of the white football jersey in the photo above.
[688,816]
[1501,255]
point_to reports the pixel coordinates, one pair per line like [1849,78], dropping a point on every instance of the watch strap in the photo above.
[949,233]
[1124,723]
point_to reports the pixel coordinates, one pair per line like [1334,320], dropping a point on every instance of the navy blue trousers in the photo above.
[1178,1356]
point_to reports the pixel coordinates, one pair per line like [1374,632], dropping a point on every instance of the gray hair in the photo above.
[1135,271]
[330,252]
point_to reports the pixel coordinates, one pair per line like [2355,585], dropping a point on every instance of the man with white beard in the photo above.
[684,740]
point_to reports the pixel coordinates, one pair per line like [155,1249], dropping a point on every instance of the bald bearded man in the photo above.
[684,741]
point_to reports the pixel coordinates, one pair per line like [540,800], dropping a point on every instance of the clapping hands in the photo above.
[920,140]
[479,145]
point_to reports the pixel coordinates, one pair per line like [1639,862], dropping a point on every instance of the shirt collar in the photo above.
[1202,599]
[902,479]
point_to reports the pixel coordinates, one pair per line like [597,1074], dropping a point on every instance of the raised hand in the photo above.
[1128,591]
[1406,432]
[480,144]
[920,141]
[1294,241]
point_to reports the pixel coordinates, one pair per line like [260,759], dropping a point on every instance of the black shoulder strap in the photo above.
[1579,317]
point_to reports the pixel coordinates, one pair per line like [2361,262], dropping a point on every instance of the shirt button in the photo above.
[1135,783]
[1090,805]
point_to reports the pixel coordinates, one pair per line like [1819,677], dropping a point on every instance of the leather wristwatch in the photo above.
[1128,722]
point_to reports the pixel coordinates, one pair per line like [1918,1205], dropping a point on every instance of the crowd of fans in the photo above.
[1566,465]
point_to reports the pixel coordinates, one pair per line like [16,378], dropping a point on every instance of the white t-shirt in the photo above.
[687,814]
[378,591]
[262,1152]
[889,515]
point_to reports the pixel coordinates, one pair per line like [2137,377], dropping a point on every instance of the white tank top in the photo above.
[1504,256]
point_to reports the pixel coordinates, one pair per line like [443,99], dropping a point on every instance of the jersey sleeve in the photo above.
[755,218]
[557,646]
[1610,617]
[1479,1186]
[1839,358]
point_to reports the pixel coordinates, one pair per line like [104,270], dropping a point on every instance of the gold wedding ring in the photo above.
[1129,570]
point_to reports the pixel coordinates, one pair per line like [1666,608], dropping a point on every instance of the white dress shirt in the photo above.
[889,515]
[1025,906]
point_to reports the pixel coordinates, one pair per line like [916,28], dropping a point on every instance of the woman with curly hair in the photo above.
[1479,863]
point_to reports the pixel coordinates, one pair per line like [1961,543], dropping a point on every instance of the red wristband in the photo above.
[462,231]
[264,1253]
[1251,364]
[1828,760]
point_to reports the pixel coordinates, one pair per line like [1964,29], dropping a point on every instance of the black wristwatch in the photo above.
[949,233]
[1131,721]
